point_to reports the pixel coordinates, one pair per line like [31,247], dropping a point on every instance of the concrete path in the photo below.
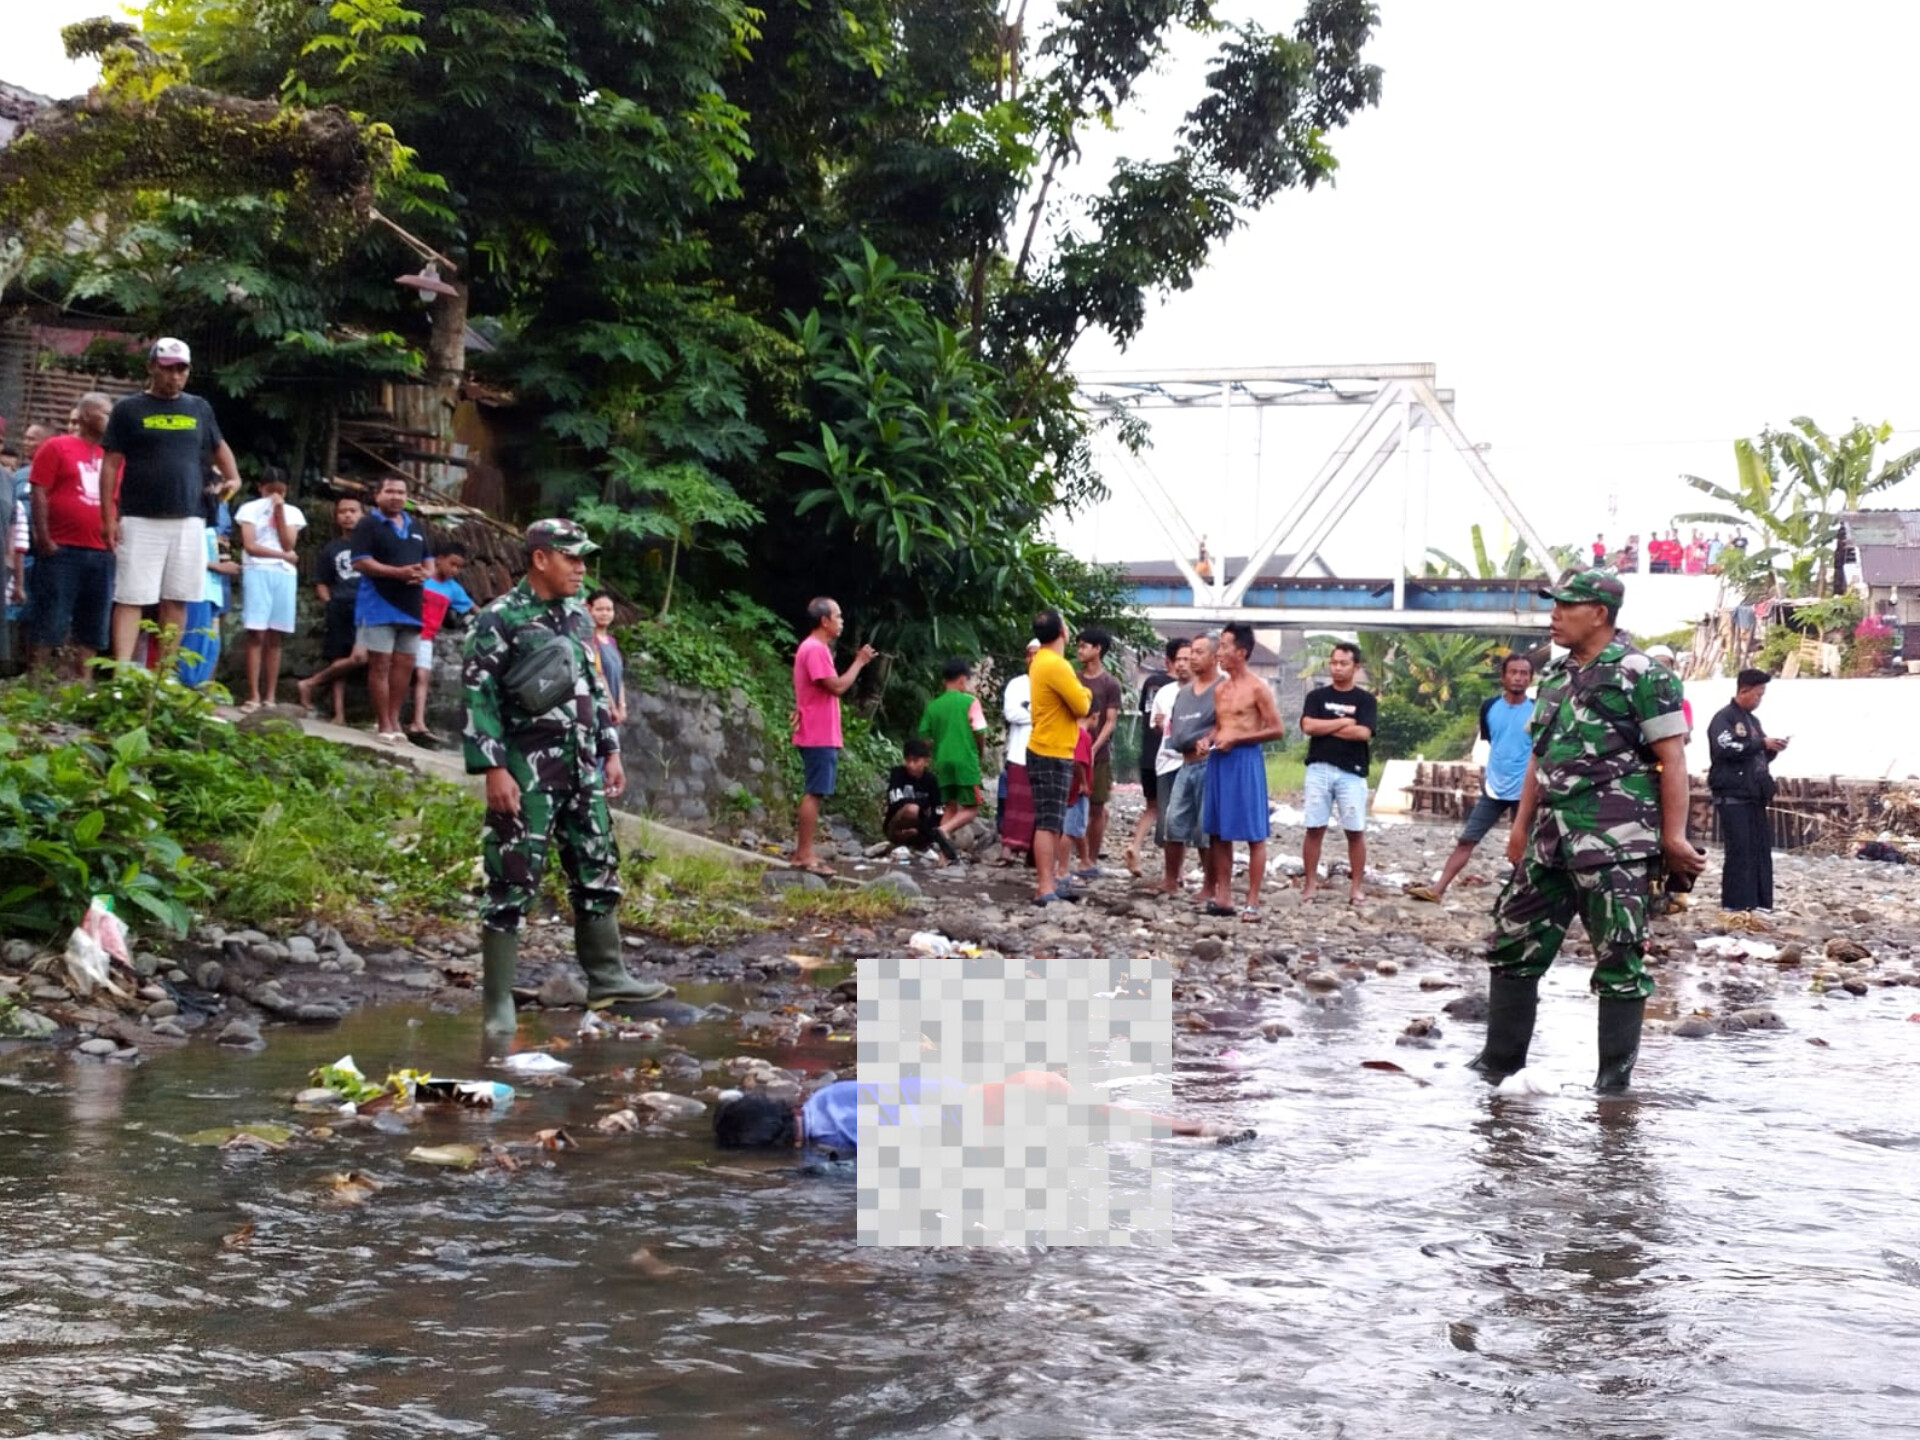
[649,835]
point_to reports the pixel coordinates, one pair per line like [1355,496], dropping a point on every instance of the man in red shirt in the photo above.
[71,600]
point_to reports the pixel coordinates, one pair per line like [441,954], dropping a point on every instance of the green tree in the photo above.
[1793,486]
[1516,564]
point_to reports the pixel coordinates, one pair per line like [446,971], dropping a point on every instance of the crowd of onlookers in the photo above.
[1667,554]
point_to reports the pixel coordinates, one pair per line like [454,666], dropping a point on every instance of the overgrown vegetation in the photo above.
[132,788]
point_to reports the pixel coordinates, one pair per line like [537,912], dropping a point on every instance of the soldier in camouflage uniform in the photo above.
[1604,803]
[545,770]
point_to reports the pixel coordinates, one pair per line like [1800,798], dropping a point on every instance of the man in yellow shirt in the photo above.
[1058,700]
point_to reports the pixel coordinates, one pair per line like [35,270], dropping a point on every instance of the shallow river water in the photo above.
[1732,1251]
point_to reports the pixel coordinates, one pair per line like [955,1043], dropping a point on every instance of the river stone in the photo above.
[169,1029]
[208,974]
[895,883]
[17,952]
[1471,1006]
[240,1032]
[302,950]
[1208,949]
[1275,1029]
[792,879]
[1695,1027]
[1759,1017]
[1321,980]
[1841,949]
[98,1046]
[145,965]
[1387,967]
[317,1013]
[562,991]
[426,980]
[176,976]
[28,1025]
[162,1009]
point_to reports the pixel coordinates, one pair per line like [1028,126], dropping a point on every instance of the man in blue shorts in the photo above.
[1235,804]
[817,687]
[1338,719]
[1504,722]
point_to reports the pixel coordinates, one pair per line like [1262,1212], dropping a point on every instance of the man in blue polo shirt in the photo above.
[390,552]
[1504,722]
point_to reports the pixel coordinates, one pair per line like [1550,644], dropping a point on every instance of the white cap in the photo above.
[1032,645]
[1660,652]
[169,351]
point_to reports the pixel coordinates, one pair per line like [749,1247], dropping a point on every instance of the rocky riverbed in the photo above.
[1843,928]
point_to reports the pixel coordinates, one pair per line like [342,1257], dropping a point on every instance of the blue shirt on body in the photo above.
[1504,728]
[830,1117]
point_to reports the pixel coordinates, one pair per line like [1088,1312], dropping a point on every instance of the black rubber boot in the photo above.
[596,944]
[1619,1041]
[1511,1003]
[499,950]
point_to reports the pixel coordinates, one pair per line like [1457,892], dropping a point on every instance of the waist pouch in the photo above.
[541,675]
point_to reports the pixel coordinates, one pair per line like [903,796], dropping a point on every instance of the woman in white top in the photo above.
[1016,799]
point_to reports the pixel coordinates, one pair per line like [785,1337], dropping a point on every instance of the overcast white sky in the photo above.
[1625,234]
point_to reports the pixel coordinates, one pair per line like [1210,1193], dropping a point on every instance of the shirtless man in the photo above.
[1235,807]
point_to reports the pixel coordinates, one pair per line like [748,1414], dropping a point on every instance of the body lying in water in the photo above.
[828,1119]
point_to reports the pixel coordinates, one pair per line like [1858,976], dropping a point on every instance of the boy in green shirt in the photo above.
[958,730]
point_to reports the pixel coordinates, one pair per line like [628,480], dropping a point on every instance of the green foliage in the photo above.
[1793,486]
[690,900]
[265,823]
[79,817]
[1402,728]
[1516,564]
[682,499]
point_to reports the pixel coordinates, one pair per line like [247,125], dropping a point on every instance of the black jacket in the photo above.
[1740,759]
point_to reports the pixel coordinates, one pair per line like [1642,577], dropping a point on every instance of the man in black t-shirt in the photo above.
[1338,719]
[1094,642]
[338,585]
[159,445]
[390,551]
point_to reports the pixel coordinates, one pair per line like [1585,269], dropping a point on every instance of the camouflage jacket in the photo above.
[1597,785]
[561,748]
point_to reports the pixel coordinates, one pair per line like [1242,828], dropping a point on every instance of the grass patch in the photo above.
[1287,772]
[839,905]
[691,899]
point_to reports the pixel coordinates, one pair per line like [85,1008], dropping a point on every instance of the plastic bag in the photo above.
[99,940]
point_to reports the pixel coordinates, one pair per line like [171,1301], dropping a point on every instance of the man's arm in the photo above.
[250,544]
[843,682]
[1360,726]
[111,464]
[1727,741]
[1523,816]
[38,540]
[1675,799]
[223,462]
[484,737]
[1109,717]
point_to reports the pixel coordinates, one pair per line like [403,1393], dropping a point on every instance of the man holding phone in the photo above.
[1741,779]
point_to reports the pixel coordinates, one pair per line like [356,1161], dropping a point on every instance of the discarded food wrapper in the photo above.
[455,1157]
[534,1062]
[930,943]
[97,941]
[476,1094]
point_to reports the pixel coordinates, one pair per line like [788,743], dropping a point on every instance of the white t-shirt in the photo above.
[1019,713]
[259,514]
[1166,759]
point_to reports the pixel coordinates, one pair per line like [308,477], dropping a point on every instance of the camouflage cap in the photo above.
[562,535]
[1587,587]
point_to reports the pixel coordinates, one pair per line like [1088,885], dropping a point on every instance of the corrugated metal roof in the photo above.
[1883,527]
[1889,564]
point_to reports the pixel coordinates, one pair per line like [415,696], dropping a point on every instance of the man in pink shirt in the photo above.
[817,688]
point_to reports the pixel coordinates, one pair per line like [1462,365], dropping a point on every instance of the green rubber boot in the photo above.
[1619,1041]
[596,944]
[499,949]
[1511,1003]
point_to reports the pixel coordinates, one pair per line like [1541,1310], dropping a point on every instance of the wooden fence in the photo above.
[1804,811]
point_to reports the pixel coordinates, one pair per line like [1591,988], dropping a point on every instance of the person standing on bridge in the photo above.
[540,728]
[1741,779]
[1604,801]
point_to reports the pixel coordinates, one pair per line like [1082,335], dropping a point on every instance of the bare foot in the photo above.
[304,689]
[1307,893]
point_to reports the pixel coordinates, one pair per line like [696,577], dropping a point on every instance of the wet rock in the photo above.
[170,1029]
[562,991]
[1275,1029]
[48,994]
[17,952]
[1843,950]
[894,883]
[1791,954]
[1423,1027]
[1471,1006]
[1695,1027]
[162,1009]
[98,1047]
[266,952]
[318,1012]
[301,950]
[1387,967]
[666,1010]
[1438,982]
[176,976]
[145,965]
[1759,1017]
[791,879]
[208,974]
[28,1025]
[1208,949]
[1854,987]
[1320,980]
[240,1032]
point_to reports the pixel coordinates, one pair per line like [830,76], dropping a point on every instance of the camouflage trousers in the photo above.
[1538,904]
[513,850]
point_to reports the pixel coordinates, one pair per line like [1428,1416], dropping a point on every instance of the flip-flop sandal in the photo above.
[1250,913]
[1214,907]
[822,869]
